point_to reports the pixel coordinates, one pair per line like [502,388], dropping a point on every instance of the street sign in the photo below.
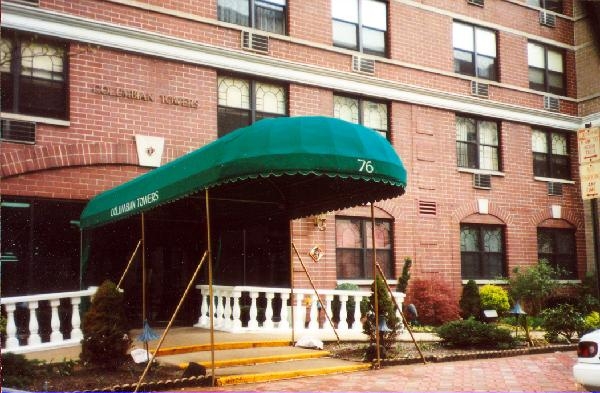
[590,180]
[588,140]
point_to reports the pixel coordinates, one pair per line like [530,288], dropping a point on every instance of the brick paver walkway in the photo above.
[528,373]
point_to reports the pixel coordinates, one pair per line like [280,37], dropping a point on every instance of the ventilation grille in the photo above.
[476,2]
[427,208]
[17,131]
[555,188]
[255,42]
[547,19]
[480,89]
[551,103]
[482,181]
[360,64]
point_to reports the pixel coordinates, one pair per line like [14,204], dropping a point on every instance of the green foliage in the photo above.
[494,297]
[587,299]
[563,320]
[336,303]
[403,279]
[105,334]
[591,322]
[434,300]
[2,325]
[470,301]
[386,310]
[471,333]
[533,284]
[17,371]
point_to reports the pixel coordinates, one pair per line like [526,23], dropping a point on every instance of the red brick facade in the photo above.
[96,151]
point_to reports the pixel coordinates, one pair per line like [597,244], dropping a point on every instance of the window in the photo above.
[557,248]
[546,68]
[266,15]
[482,251]
[550,5]
[359,111]
[243,102]
[34,76]
[551,154]
[354,245]
[360,25]
[474,51]
[477,144]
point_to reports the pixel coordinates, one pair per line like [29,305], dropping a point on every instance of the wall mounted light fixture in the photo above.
[320,222]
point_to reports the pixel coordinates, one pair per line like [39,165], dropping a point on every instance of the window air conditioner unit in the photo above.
[480,89]
[551,104]
[476,2]
[360,64]
[547,19]
[555,188]
[482,181]
[255,42]
[17,131]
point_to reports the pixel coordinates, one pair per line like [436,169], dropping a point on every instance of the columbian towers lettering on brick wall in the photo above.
[139,95]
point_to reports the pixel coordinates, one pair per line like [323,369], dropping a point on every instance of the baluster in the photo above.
[314,313]
[300,317]
[268,324]
[76,333]
[328,311]
[34,337]
[219,309]
[343,323]
[237,322]
[227,322]
[253,322]
[203,320]
[356,325]
[56,335]
[283,321]
[11,328]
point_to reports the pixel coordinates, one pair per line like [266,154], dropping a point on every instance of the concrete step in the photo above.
[250,362]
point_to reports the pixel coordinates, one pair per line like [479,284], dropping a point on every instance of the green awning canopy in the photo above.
[291,166]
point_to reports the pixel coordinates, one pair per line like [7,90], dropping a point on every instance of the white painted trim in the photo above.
[153,44]
[552,180]
[34,119]
[480,171]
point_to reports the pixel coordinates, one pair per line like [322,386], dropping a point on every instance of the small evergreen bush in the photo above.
[471,333]
[403,279]
[591,322]
[386,310]
[105,333]
[17,371]
[434,301]
[494,297]
[470,301]
[563,320]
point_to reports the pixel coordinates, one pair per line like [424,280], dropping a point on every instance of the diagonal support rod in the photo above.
[129,263]
[401,313]
[315,289]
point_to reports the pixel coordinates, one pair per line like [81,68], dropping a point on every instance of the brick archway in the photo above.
[567,215]
[40,158]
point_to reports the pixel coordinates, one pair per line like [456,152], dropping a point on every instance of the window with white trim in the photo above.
[546,68]
[550,5]
[482,251]
[265,15]
[477,144]
[360,25]
[551,154]
[474,51]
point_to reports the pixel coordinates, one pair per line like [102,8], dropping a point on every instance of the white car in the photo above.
[587,369]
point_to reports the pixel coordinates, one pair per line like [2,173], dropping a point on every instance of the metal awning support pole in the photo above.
[164,334]
[401,313]
[315,289]
[375,294]
[129,263]
[144,278]
[210,289]
[292,302]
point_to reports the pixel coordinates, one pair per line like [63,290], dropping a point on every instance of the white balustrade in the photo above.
[242,308]
[23,335]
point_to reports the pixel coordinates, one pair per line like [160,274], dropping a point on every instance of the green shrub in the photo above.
[17,371]
[403,279]
[494,297]
[471,333]
[386,310]
[533,285]
[563,320]
[105,334]
[470,301]
[591,321]
[434,301]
